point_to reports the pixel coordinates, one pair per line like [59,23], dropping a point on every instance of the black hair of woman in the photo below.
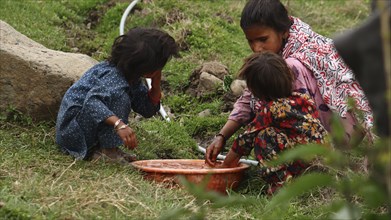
[141,51]
[270,13]
[267,76]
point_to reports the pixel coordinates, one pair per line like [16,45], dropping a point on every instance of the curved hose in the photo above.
[121,32]
[125,15]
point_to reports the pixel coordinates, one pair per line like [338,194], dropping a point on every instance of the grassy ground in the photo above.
[37,181]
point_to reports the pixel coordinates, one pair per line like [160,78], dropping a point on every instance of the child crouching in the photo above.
[283,119]
[93,116]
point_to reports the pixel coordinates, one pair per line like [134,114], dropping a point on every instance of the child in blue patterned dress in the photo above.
[93,116]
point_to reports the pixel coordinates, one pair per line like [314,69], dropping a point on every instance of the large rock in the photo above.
[208,83]
[207,79]
[33,79]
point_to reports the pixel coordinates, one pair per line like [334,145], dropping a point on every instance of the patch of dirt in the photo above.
[174,16]
[76,38]
[165,87]
[165,154]
[171,17]
[226,17]
[78,35]
[181,41]
[191,87]
[95,15]
[229,100]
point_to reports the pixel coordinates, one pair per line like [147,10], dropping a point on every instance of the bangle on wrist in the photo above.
[121,127]
[117,123]
[222,135]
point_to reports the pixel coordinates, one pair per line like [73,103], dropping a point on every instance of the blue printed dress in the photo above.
[100,93]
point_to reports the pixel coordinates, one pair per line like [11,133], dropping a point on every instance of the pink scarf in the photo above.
[335,80]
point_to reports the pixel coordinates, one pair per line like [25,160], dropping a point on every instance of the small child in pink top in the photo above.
[282,119]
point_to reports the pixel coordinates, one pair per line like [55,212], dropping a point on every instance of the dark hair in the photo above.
[270,13]
[141,51]
[267,76]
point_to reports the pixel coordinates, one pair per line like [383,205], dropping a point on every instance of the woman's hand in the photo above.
[213,150]
[128,136]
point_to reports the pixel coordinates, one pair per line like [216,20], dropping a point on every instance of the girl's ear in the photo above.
[285,35]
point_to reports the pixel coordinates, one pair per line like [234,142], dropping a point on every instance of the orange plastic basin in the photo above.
[194,171]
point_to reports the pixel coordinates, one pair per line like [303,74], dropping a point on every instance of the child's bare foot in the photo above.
[114,155]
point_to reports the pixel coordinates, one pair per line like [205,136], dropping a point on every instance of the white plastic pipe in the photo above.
[125,15]
[121,32]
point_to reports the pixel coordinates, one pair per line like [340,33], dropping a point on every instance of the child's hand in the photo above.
[128,136]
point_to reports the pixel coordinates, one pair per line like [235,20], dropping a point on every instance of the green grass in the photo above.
[38,182]
[344,13]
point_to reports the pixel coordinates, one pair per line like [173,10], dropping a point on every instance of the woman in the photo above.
[318,69]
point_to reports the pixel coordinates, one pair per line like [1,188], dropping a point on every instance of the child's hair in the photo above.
[141,51]
[270,13]
[267,76]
